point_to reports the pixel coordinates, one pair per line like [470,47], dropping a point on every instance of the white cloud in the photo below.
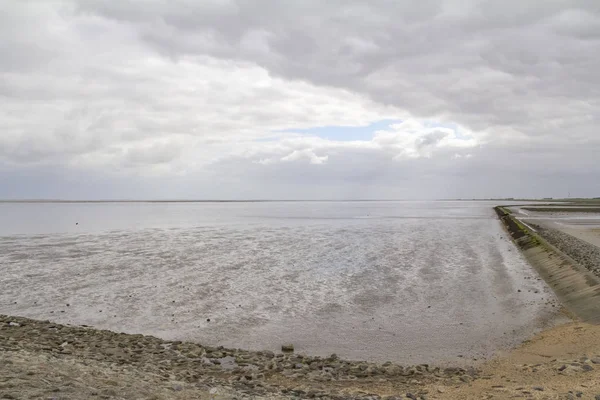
[305,154]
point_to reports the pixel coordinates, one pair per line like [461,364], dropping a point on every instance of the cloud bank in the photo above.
[258,99]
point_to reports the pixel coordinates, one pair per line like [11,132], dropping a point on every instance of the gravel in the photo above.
[584,253]
[190,369]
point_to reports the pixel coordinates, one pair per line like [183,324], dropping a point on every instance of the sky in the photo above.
[299,99]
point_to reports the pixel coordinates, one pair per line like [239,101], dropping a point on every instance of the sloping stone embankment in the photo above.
[586,254]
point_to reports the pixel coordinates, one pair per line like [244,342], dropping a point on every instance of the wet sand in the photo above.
[438,283]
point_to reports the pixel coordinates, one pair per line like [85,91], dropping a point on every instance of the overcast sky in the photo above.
[306,99]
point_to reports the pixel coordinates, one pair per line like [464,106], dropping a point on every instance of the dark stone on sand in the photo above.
[287,348]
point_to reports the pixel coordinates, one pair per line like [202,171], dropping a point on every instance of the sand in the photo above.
[561,361]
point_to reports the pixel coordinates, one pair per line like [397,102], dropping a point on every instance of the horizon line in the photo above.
[253,200]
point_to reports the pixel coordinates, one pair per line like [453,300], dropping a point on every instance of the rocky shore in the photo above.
[43,360]
[586,254]
[184,370]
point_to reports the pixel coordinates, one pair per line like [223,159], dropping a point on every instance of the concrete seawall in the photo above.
[576,287]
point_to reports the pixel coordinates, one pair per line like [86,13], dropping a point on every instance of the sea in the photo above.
[412,282]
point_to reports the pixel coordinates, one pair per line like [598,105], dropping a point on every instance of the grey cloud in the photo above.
[476,63]
[431,139]
[190,86]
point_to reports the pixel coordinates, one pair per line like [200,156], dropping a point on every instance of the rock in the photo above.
[538,388]
[287,348]
[411,396]
[597,397]
[595,360]
[587,368]
[177,387]
[13,324]
[269,354]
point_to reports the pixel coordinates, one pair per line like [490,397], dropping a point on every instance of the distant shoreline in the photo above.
[266,200]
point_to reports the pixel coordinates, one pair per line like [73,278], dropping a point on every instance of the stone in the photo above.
[13,324]
[538,388]
[411,396]
[587,368]
[287,348]
[269,354]
[177,388]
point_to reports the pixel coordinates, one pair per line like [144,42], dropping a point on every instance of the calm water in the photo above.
[401,281]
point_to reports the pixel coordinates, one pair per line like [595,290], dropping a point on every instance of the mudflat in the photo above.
[408,282]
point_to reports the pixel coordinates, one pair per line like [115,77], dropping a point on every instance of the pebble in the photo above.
[184,361]
[287,348]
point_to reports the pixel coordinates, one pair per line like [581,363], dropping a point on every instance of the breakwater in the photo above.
[577,288]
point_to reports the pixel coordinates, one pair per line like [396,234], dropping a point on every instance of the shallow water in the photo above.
[409,282]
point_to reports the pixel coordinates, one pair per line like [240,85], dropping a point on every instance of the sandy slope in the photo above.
[561,361]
